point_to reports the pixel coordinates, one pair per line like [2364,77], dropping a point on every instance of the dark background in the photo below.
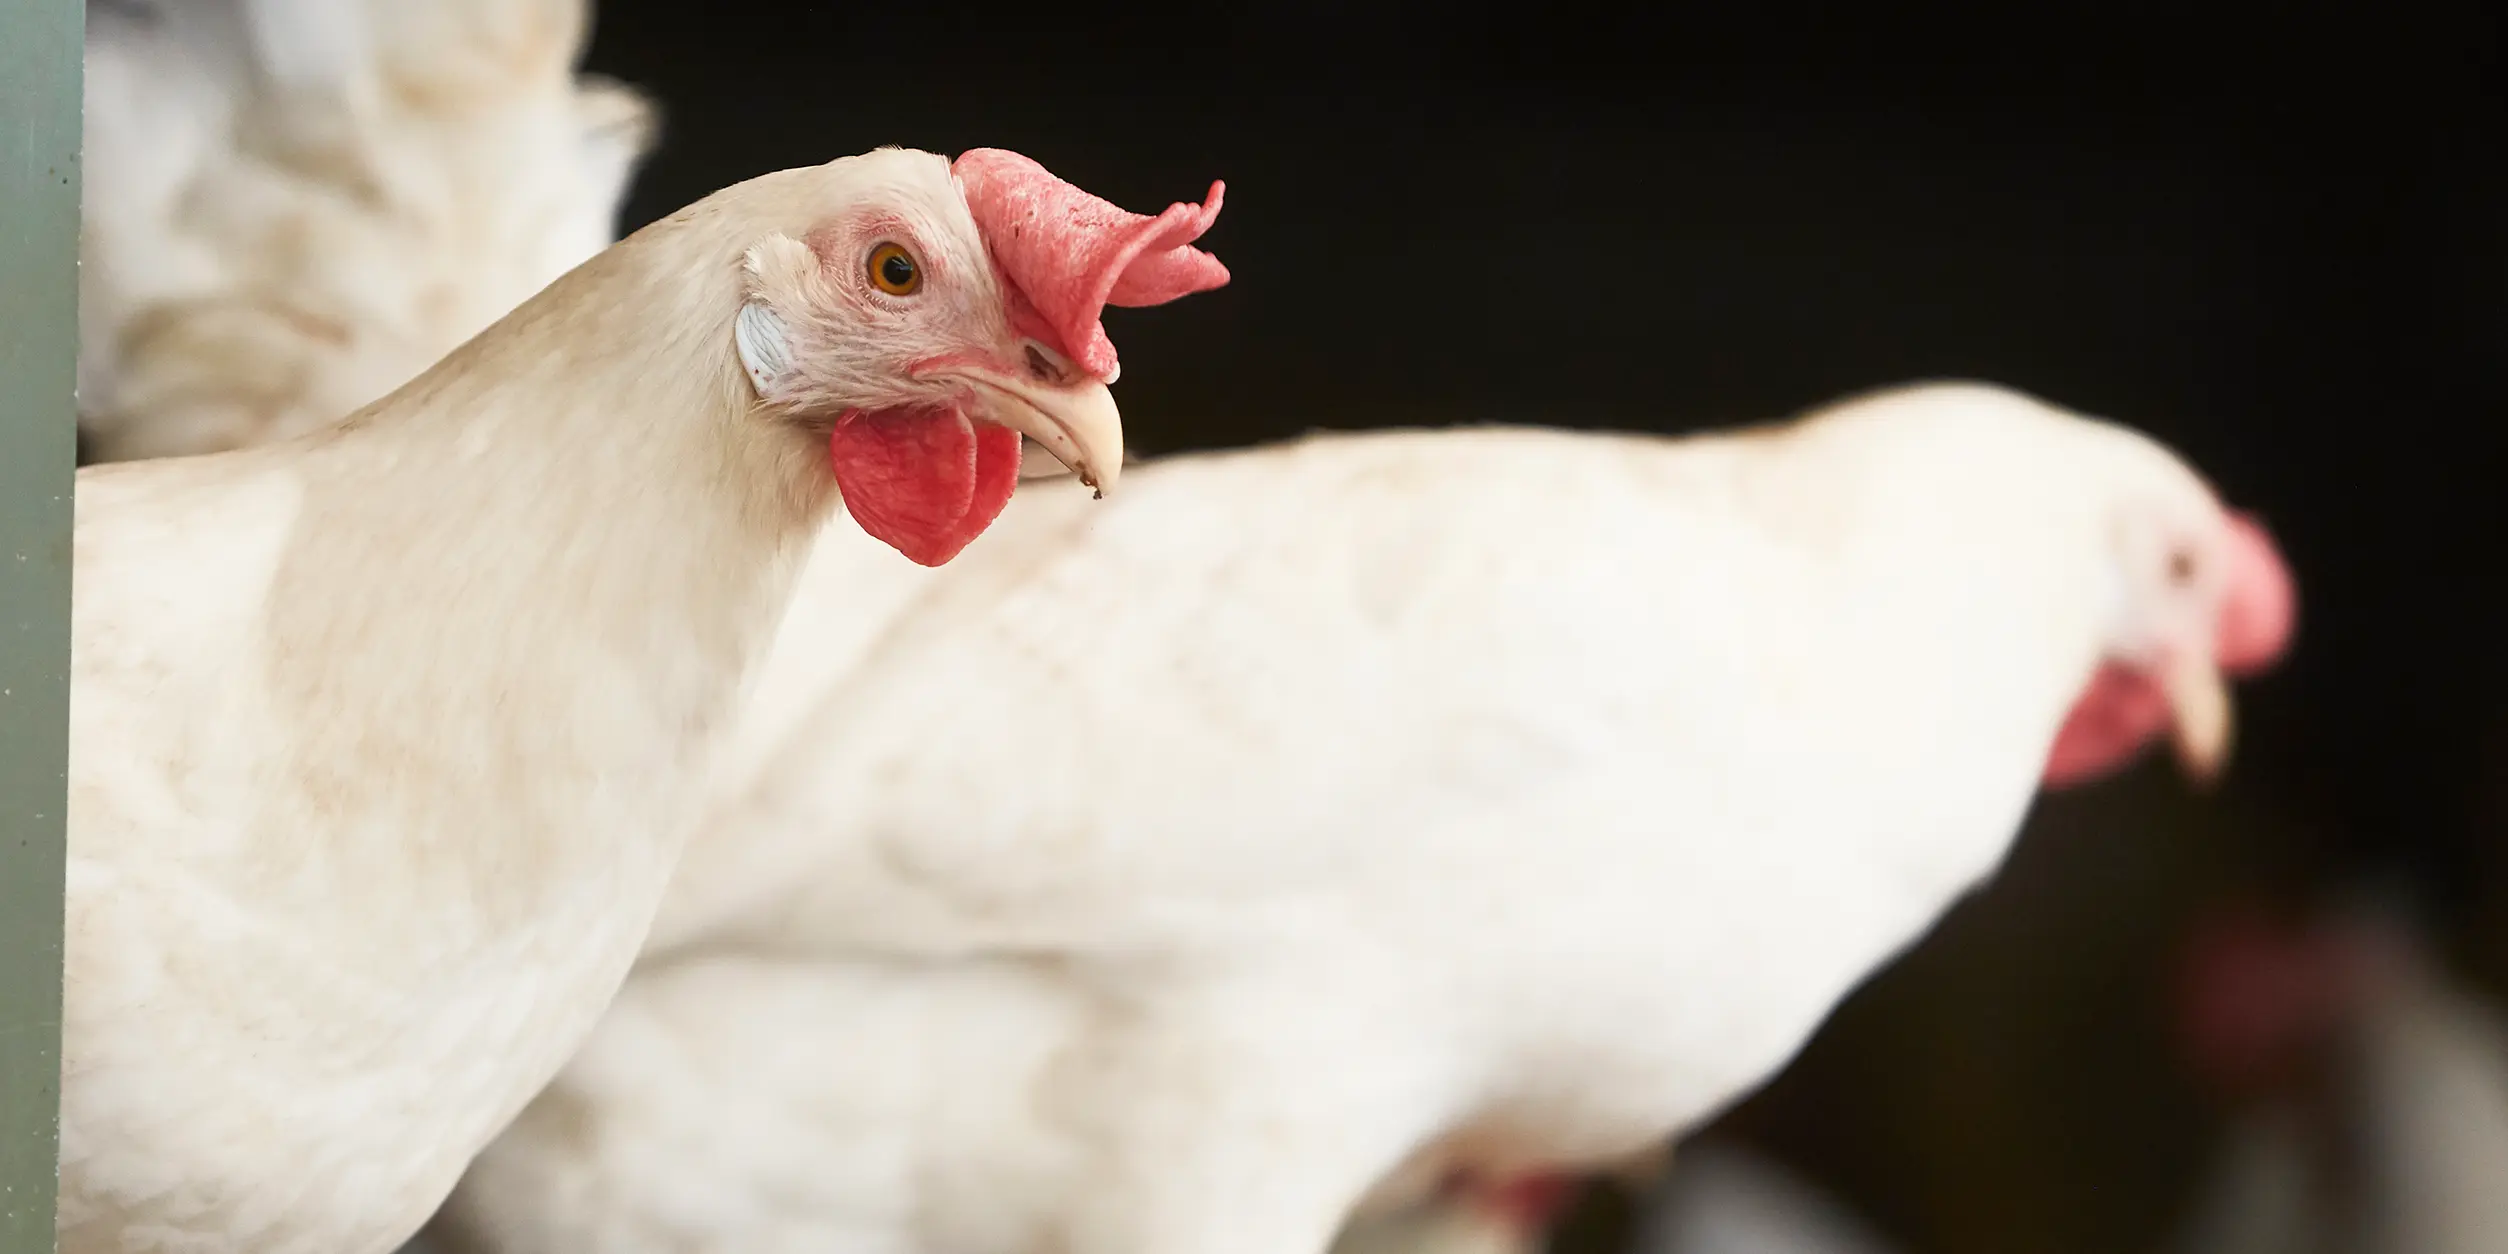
[2278,241]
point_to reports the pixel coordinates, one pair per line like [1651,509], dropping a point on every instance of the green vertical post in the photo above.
[41,42]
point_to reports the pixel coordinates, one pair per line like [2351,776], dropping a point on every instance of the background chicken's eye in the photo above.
[2181,567]
[894,271]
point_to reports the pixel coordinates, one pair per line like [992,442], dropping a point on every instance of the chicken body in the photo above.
[737,1101]
[294,206]
[1472,802]
[385,737]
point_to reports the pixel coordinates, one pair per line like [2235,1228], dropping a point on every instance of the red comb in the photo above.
[2263,601]
[1068,254]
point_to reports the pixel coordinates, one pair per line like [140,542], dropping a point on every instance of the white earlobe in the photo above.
[764,350]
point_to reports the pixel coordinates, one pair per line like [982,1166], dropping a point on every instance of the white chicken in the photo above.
[385,737]
[1348,816]
[294,206]
[2376,1118]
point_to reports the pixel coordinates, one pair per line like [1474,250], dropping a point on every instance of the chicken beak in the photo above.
[2199,698]
[1076,422]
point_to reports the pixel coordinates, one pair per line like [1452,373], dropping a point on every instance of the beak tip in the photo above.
[2204,761]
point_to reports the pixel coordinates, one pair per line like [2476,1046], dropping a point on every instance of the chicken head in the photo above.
[943,313]
[2206,594]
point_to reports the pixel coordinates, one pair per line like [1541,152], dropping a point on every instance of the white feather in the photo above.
[294,206]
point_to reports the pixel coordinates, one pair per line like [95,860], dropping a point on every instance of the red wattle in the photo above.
[925,482]
[2119,715]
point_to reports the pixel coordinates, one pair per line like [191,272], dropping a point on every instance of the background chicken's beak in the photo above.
[1076,422]
[2199,698]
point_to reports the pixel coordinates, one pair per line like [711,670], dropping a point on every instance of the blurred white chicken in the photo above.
[2374,1092]
[1385,809]
[294,206]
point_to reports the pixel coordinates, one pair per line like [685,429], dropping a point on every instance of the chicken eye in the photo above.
[893,270]
[2181,567]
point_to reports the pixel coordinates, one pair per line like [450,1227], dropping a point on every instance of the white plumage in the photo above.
[775,1106]
[385,737]
[1359,810]
[294,206]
